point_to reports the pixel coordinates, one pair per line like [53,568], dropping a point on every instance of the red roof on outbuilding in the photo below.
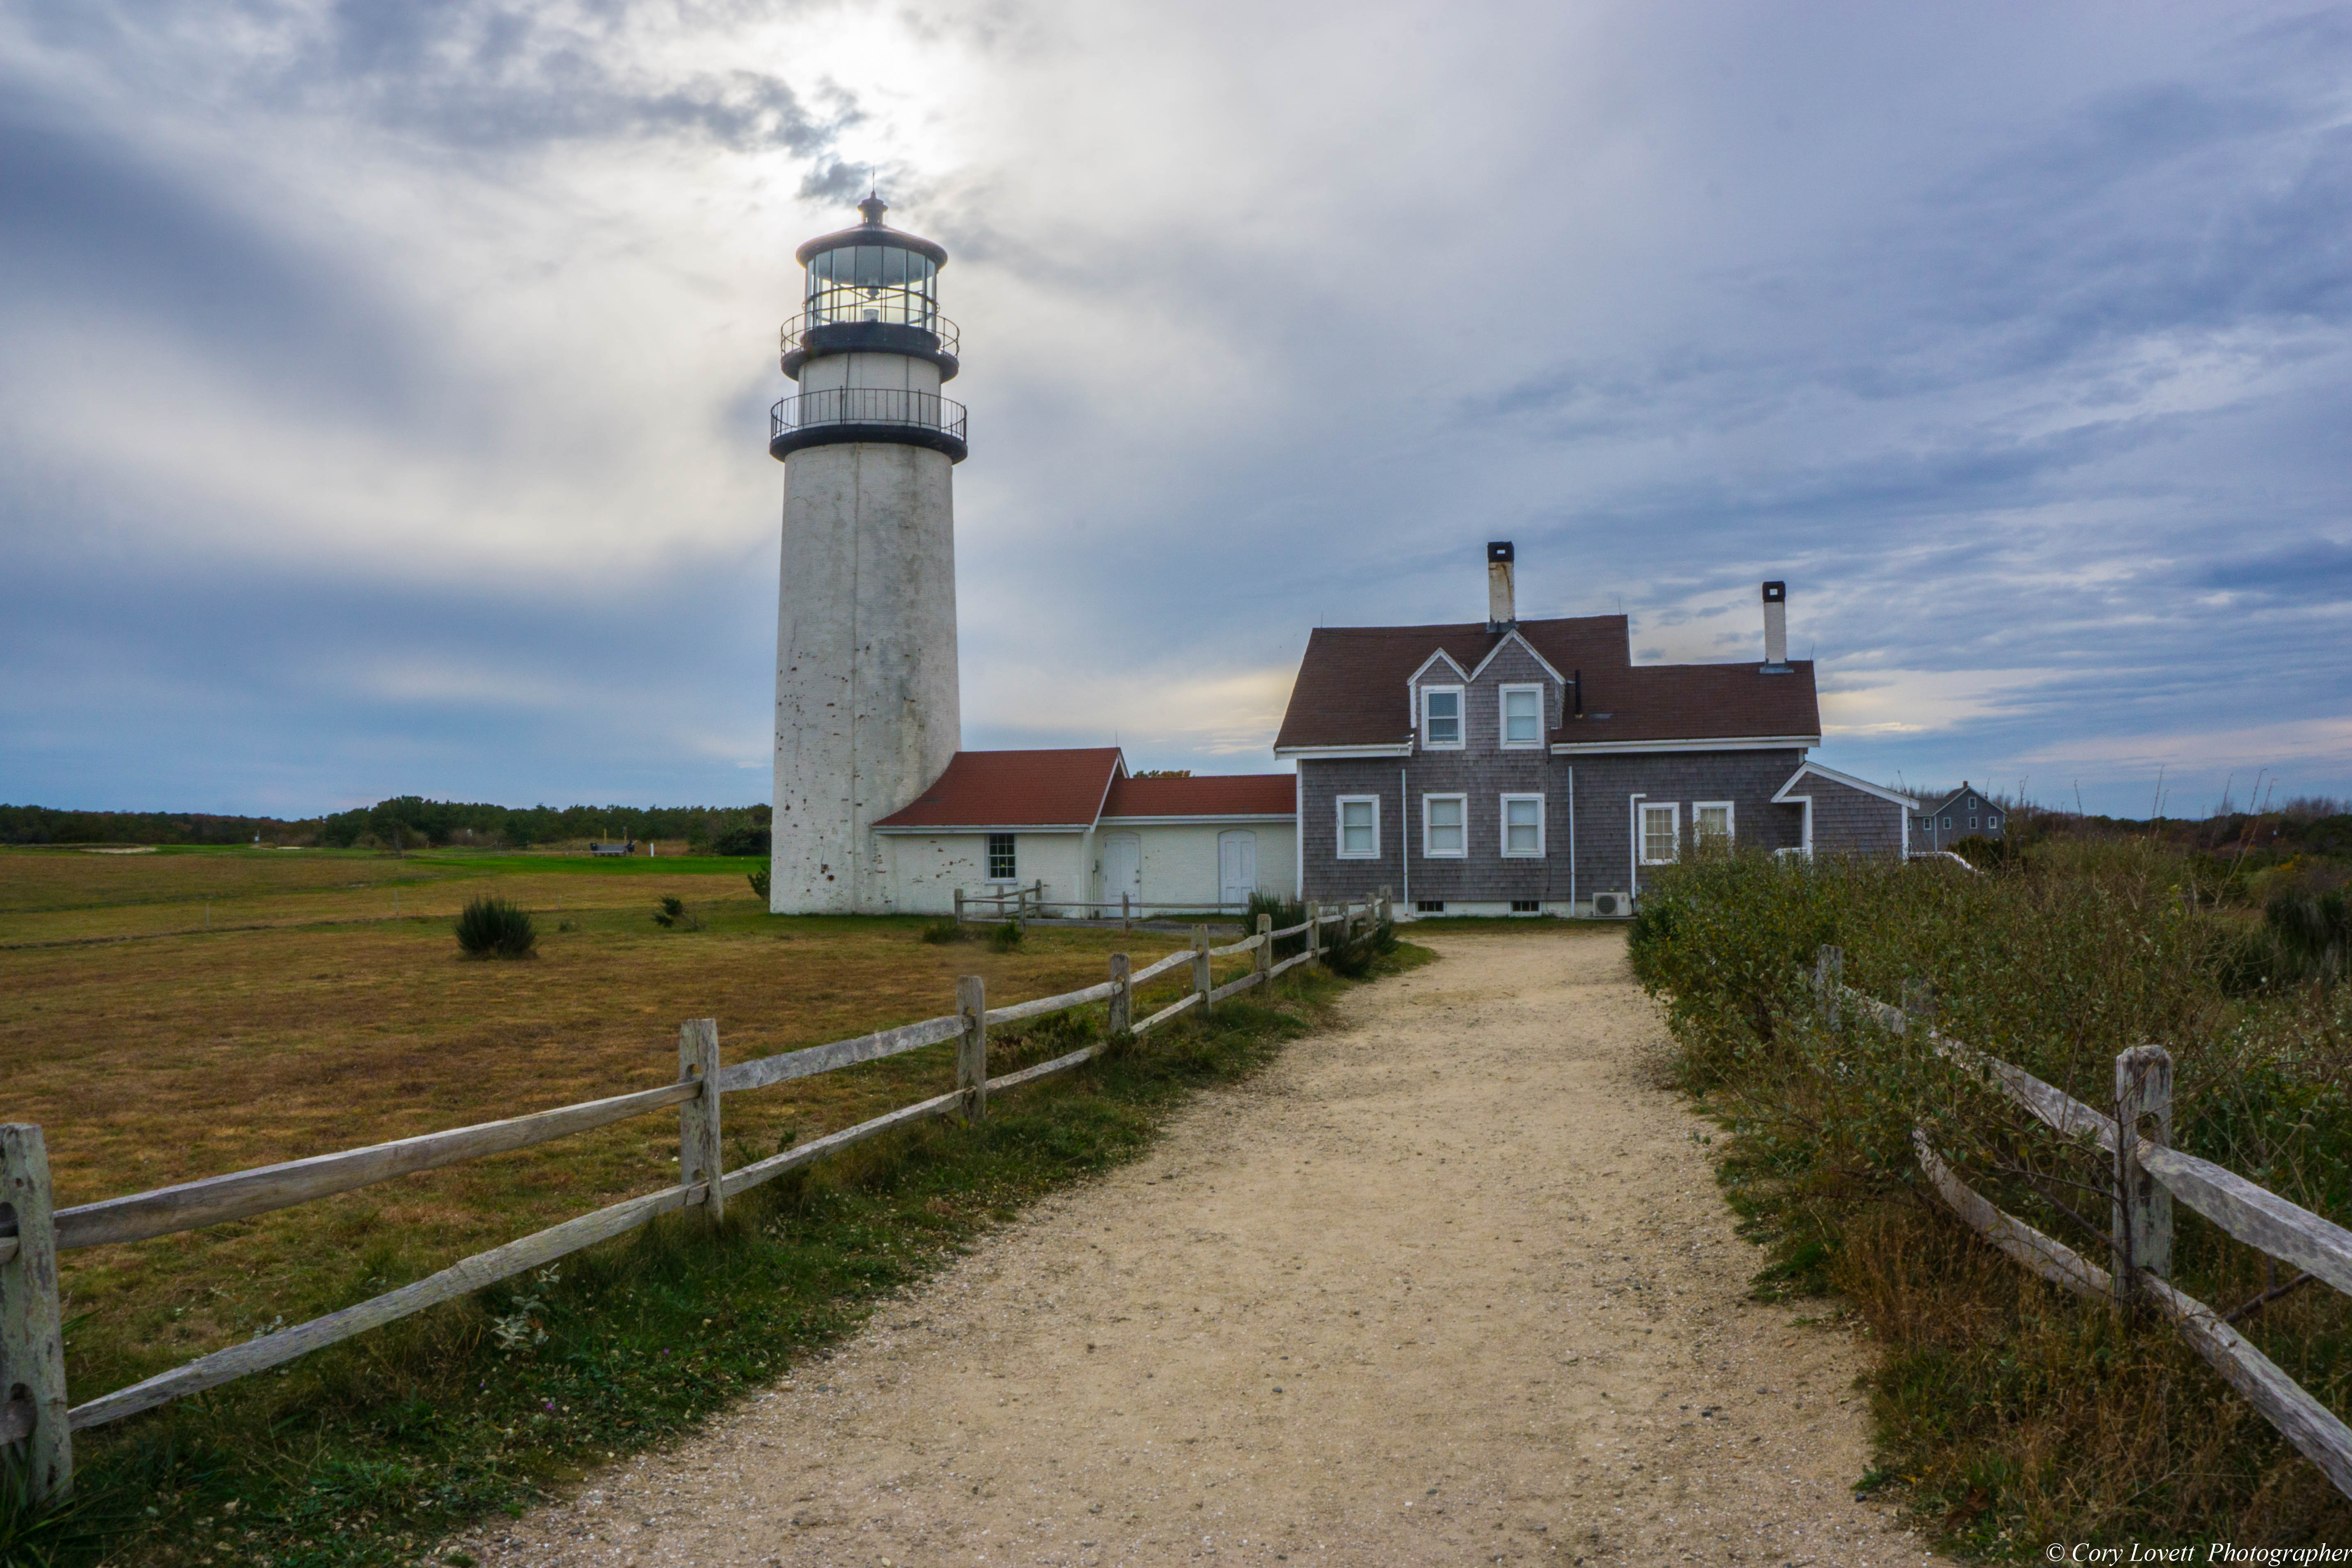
[1016,789]
[1231,795]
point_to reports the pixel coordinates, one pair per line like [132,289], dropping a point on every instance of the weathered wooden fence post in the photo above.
[1315,928]
[32,1344]
[1122,1001]
[700,1152]
[1126,920]
[2142,1214]
[971,1054]
[1264,954]
[1829,978]
[958,910]
[1200,964]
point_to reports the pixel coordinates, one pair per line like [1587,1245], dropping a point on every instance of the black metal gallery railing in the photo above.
[867,406]
[885,313]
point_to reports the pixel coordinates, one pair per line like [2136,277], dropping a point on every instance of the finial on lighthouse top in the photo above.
[874,206]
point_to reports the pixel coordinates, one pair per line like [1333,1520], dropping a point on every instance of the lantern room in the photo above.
[871,289]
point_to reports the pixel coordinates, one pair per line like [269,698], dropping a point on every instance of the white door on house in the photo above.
[1236,866]
[1122,867]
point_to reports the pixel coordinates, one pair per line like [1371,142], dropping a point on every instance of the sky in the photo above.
[382,387]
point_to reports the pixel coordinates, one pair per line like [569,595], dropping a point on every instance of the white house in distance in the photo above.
[1078,822]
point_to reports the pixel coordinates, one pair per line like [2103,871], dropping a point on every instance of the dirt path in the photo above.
[1450,1284]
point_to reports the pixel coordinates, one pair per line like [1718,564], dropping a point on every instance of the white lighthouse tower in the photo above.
[867,712]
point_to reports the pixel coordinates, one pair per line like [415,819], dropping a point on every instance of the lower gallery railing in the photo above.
[32,1409]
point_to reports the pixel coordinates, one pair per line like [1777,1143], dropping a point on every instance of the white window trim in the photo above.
[1730,818]
[1642,826]
[988,857]
[1339,818]
[1503,716]
[1503,820]
[1429,854]
[1461,719]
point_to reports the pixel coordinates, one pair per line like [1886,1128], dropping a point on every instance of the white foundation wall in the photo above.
[867,711]
[925,870]
[1180,864]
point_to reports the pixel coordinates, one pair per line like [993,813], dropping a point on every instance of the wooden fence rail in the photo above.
[33,1410]
[2149,1175]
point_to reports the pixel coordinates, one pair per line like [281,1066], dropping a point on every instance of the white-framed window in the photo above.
[1359,827]
[1002,865]
[1445,826]
[1993,821]
[1523,827]
[1711,823]
[1441,718]
[1522,716]
[1662,831]
[1947,822]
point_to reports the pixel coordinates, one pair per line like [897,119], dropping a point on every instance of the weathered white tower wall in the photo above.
[867,707]
[868,711]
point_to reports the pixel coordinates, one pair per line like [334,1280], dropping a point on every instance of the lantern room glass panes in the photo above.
[873,283]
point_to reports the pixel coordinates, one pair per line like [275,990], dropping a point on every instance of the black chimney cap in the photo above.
[1776,592]
[1500,550]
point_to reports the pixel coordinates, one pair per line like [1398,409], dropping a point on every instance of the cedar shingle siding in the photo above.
[1642,731]
[1846,821]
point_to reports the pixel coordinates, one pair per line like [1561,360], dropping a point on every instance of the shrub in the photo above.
[759,880]
[1353,959]
[493,927]
[673,915]
[1280,915]
[1005,938]
[747,840]
[2313,932]
[946,928]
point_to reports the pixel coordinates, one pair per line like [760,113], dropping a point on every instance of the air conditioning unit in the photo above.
[1614,906]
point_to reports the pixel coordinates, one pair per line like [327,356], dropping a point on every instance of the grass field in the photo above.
[308,1019]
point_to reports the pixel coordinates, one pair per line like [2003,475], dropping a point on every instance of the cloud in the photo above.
[386,382]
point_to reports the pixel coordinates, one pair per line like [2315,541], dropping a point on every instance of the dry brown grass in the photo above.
[156,1060]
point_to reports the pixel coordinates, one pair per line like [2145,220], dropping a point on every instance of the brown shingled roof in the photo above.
[1350,689]
[1016,789]
[1231,795]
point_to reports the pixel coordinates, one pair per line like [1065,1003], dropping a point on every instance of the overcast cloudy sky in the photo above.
[383,386]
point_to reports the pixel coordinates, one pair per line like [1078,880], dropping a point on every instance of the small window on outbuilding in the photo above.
[1001,865]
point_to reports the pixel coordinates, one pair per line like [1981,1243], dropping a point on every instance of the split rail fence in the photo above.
[2148,1174]
[33,1408]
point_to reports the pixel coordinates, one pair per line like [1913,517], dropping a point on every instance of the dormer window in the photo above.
[1523,716]
[1441,718]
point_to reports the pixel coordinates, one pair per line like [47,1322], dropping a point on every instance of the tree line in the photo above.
[403,821]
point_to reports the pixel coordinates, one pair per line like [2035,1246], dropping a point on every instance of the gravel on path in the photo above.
[1451,1282]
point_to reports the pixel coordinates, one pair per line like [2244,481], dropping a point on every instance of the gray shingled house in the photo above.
[1527,767]
[1965,813]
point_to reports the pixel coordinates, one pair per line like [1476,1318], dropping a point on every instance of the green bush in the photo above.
[1005,938]
[1355,957]
[759,880]
[945,929]
[674,915]
[493,927]
[1280,915]
[2000,1404]
[747,839]
[2313,932]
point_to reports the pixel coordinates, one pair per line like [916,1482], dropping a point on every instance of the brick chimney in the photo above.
[1502,607]
[1776,629]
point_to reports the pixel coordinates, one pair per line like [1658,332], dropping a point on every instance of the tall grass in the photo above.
[2014,1414]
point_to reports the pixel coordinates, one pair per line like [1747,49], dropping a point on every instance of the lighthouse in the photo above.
[867,712]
